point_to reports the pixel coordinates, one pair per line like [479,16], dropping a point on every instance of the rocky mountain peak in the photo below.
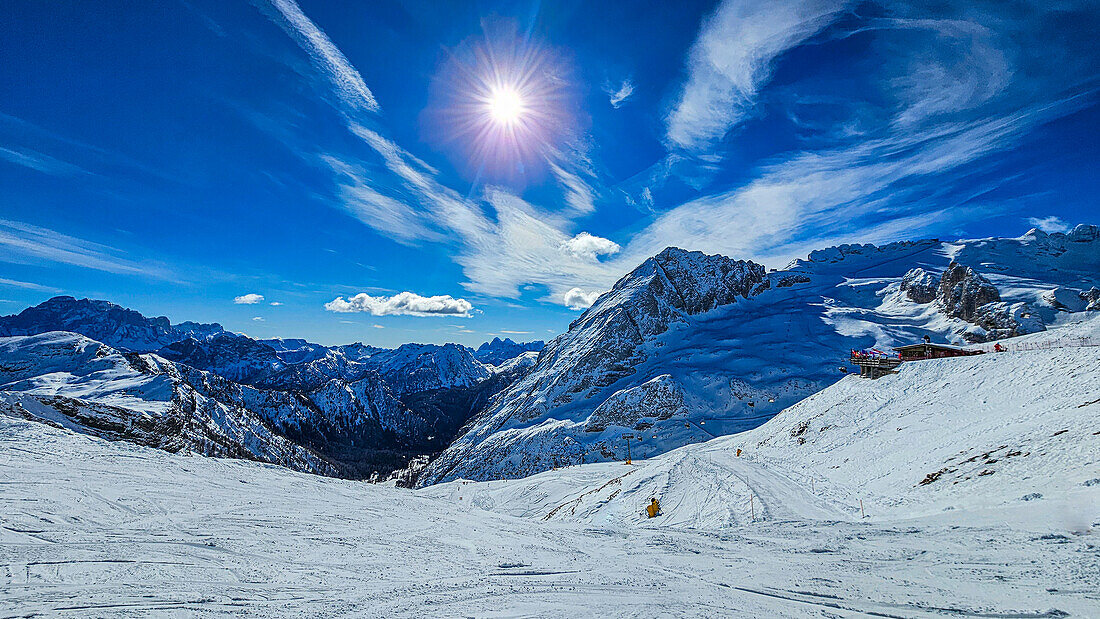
[498,351]
[963,290]
[102,321]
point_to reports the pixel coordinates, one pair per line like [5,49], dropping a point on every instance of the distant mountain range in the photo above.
[352,410]
[689,346]
[685,347]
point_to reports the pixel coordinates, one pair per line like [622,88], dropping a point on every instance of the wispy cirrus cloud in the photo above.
[956,84]
[732,58]
[402,304]
[39,162]
[13,283]
[23,243]
[345,79]
[502,242]
[617,96]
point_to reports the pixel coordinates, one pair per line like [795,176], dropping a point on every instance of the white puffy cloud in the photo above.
[588,246]
[577,299]
[248,299]
[402,304]
[1049,224]
[275,304]
[258,318]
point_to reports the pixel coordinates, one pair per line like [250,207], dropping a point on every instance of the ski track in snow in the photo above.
[94,528]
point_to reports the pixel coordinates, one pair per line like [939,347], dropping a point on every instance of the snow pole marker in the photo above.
[861,513]
[752,510]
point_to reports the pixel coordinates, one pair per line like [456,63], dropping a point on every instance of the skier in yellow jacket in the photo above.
[653,509]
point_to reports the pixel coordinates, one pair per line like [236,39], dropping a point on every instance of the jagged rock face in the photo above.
[1084,233]
[104,322]
[1000,320]
[962,291]
[920,286]
[238,358]
[964,294]
[423,367]
[603,347]
[498,351]
[639,407]
[1092,299]
[352,429]
[341,402]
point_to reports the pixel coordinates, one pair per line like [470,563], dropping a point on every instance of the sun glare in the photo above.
[506,102]
[505,106]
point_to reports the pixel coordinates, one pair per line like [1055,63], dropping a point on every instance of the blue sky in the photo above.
[343,171]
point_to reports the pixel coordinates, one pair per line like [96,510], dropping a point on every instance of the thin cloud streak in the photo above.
[347,82]
[27,285]
[24,243]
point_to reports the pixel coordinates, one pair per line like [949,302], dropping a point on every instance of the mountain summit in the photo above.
[689,346]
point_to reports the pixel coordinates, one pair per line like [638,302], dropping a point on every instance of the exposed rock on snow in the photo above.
[422,367]
[963,290]
[81,384]
[964,294]
[1092,297]
[342,402]
[639,407]
[920,285]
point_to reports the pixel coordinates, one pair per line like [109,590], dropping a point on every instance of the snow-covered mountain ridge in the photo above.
[688,347]
[334,410]
[104,322]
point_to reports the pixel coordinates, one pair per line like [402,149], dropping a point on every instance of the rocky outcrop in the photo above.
[1092,299]
[639,408]
[920,286]
[962,290]
[962,293]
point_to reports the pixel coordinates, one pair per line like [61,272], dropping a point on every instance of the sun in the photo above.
[506,106]
[503,105]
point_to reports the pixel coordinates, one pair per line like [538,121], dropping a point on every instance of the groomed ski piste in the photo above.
[956,487]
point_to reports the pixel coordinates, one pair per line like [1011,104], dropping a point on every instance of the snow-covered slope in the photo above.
[342,401]
[198,536]
[730,345]
[1009,436]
